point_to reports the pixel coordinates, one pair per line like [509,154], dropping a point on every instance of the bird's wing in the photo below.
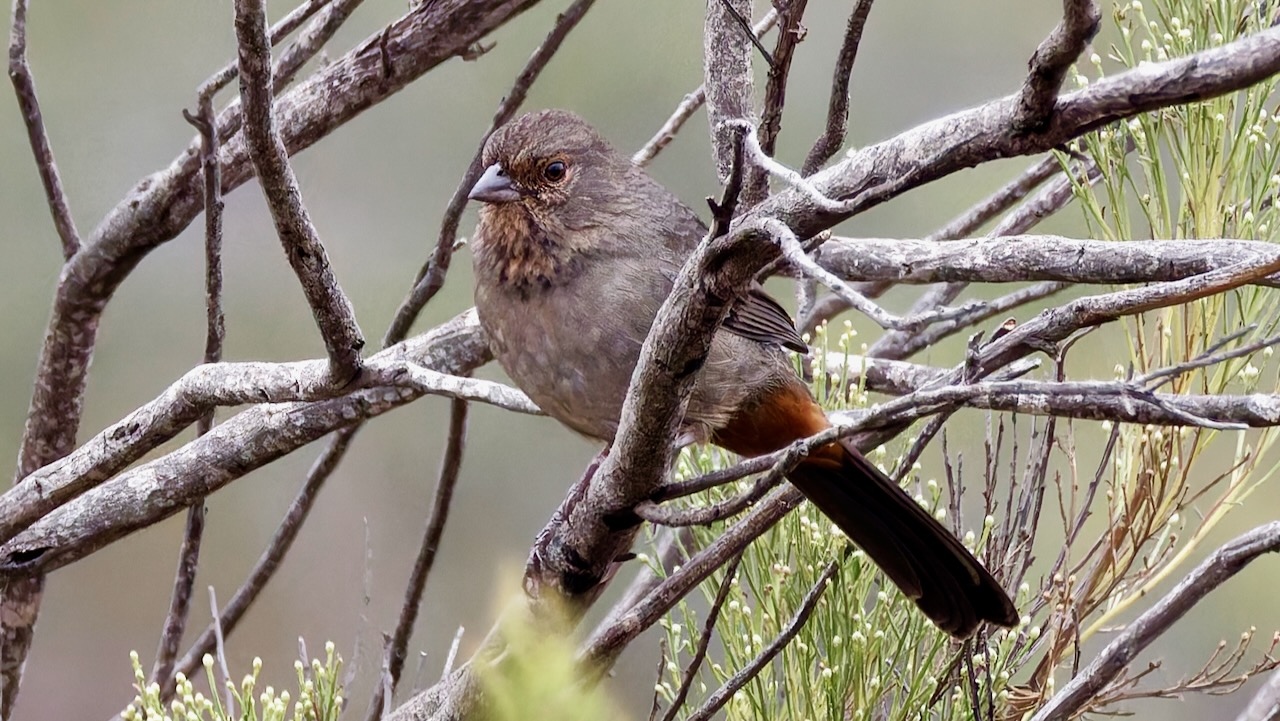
[759,317]
[756,316]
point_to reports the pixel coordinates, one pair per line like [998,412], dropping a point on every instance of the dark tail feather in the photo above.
[918,554]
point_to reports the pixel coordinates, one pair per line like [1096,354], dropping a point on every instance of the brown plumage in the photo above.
[575,251]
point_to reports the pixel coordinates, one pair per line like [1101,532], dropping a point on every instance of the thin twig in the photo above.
[450,466]
[175,624]
[741,20]
[1049,200]
[283,27]
[24,85]
[704,640]
[935,333]
[775,92]
[1000,201]
[795,254]
[722,695]
[291,58]
[832,138]
[330,306]
[220,646]
[783,462]
[272,556]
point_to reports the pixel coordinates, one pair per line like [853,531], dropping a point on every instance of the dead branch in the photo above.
[832,138]
[727,79]
[450,467]
[259,435]
[1023,258]
[332,309]
[24,85]
[175,623]
[1225,562]
[163,204]
[1049,65]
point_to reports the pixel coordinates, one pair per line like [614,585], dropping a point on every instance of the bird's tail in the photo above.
[918,554]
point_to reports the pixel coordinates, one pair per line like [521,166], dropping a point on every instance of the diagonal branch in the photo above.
[1224,563]
[880,172]
[161,205]
[832,138]
[24,85]
[283,27]
[330,306]
[450,466]
[404,371]
[159,488]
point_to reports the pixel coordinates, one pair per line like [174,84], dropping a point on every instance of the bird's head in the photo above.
[547,163]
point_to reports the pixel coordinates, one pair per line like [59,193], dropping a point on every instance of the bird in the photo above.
[575,250]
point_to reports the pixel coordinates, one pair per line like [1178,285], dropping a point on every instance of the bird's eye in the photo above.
[555,171]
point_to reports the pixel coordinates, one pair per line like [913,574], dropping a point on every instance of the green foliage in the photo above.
[319,695]
[539,671]
[1205,170]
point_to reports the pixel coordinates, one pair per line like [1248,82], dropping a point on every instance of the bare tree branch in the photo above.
[967,222]
[1051,61]
[775,93]
[946,145]
[330,306]
[24,85]
[282,28]
[1225,562]
[281,541]
[175,624]
[1047,201]
[832,138]
[998,202]
[228,384]
[728,81]
[1023,258]
[450,466]
[259,435]
[925,338]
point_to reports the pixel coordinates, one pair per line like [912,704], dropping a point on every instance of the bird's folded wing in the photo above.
[760,318]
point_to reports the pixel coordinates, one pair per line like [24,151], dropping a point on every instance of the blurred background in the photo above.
[113,78]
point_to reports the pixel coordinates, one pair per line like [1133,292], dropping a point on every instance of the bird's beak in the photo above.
[494,187]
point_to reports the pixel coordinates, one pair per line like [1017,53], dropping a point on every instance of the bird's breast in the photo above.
[570,349]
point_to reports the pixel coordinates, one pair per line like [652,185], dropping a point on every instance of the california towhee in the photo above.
[575,251]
